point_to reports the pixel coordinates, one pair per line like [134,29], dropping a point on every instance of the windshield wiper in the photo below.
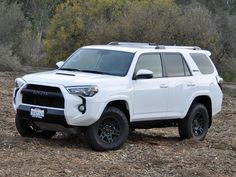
[96,72]
[87,71]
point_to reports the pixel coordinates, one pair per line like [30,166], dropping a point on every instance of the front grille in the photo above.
[43,96]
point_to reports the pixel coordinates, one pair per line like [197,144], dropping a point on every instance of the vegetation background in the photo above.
[39,33]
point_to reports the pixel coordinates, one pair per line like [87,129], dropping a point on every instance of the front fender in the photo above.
[116,98]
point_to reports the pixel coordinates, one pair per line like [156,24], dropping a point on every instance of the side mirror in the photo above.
[59,64]
[143,74]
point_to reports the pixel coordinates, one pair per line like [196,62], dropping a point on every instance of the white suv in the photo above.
[108,90]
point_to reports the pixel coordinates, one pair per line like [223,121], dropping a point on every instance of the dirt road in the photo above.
[156,152]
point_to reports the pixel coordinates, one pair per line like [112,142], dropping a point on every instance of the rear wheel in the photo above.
[195,124]
[109,132]
[27,128]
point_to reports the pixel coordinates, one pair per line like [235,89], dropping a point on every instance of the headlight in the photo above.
[19,82]
[86,90]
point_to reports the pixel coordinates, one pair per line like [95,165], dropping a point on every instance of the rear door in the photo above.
[181,84]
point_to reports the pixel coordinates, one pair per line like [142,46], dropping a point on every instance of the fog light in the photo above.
[82,108]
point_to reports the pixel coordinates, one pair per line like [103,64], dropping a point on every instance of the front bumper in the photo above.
[69,115]
[53,116]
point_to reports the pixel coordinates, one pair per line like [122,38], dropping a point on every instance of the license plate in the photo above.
[37,113]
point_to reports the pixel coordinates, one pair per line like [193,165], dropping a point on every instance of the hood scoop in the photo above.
[66,74]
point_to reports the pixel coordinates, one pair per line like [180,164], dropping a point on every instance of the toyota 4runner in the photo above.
[106,91]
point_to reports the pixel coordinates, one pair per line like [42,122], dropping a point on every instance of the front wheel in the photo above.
[27,128]
[109,132]
[195,124]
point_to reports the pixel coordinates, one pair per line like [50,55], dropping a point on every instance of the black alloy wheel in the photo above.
[109,132]
[196,123]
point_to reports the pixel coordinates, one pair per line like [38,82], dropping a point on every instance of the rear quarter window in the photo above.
[203,63]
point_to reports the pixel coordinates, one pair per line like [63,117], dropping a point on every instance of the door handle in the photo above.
[163,86]
[190,84]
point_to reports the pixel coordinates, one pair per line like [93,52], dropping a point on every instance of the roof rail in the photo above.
[132,43]
[183,47]
[139,44]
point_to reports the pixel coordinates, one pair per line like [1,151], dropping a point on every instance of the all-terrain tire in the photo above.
[195,124]
[109,132]
[29,129]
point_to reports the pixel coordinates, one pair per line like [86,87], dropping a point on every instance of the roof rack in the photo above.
[155,45]
[183,47]
[132,43]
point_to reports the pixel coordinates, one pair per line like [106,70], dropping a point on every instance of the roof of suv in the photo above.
[134,47]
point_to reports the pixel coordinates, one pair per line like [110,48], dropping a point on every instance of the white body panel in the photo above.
[146,99]
[150,99]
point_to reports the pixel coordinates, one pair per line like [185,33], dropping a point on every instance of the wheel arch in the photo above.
[121,104]
[206,101]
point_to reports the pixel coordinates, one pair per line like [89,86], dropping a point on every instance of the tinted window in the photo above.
[175,65]
[151,62]
[203,63]
[100,61]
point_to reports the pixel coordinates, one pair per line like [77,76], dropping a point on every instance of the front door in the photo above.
[150,95]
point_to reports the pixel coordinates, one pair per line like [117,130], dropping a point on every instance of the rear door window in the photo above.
[203,63]
[175,65]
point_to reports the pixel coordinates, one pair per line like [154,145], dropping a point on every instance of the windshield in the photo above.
[99,61]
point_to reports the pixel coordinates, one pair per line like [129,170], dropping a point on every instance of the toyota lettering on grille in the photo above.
[41,93]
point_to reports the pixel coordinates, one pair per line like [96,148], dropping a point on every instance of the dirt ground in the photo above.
[155,152]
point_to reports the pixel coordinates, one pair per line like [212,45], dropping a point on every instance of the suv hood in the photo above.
[68,78]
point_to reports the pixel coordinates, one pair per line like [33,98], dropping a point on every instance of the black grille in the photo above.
[43,96]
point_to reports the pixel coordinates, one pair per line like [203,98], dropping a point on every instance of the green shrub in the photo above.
[8,61]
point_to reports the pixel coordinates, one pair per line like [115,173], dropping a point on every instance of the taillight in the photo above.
[219,81]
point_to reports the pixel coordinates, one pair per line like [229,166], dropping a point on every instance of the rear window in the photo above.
[203,63]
